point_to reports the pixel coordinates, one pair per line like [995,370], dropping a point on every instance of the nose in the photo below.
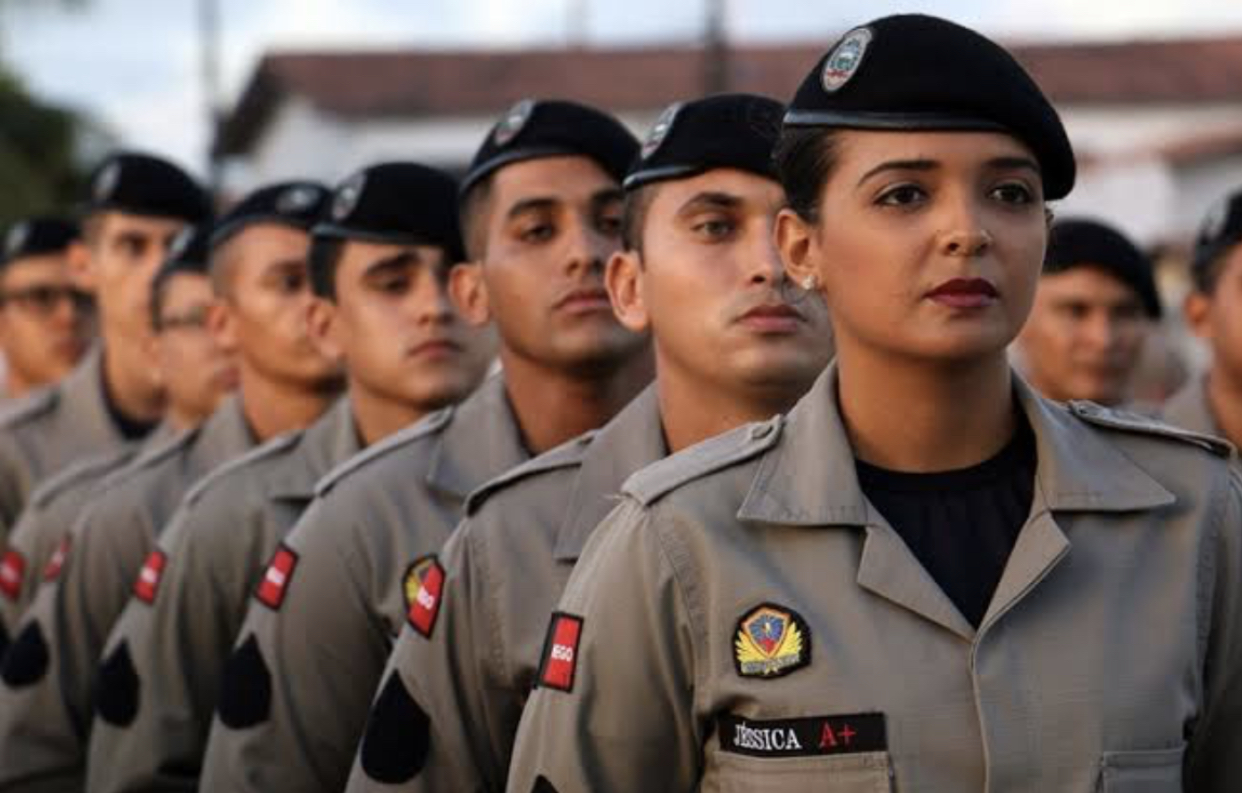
[435,305]
[966,242]
[766,266]
[587,248]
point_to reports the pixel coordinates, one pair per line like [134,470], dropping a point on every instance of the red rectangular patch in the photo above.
[426,605]
[275,583]
[560,652]
[148,583]
[57,562]
[12,570]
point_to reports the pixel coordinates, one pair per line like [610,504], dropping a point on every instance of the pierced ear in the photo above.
[624,279]
[469,293]
[795,242]
[321,320]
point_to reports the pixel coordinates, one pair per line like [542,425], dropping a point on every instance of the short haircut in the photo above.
[324,259]
[159,291]
[634,216]
[473,209]
[1205,273]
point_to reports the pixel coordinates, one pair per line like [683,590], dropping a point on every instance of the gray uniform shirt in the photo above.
[216,547]
[1189,408]
[313,645]
[746,620]
[504,569]
[47,678]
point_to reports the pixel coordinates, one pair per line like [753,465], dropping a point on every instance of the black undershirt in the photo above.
[130,429]
[961,525]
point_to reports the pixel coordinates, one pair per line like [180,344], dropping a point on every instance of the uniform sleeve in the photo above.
[444,718]
[25,541]
[1214,763]
[178,642]
[309,655]
[613,710]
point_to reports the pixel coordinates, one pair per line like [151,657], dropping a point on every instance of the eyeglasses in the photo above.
[47,299]
[194,319]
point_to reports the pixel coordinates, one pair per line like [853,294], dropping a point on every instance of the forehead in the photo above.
[44,268]
[363,253]
[113,223]
[264,241]
[866,148]
[563,179]
[1086,283]
[750,190]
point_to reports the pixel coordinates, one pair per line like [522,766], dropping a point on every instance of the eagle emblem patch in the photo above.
[771,641]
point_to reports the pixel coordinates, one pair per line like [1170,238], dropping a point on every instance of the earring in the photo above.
[810,282]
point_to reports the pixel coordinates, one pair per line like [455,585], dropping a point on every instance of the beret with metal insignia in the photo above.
[189,252]
[294,204]
[141,184]
[38,236]
[917,72]
[1221,230]
[1080,242]
[536,128]
[724,131]
[399,203]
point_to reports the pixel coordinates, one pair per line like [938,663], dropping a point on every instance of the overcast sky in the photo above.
[134,64]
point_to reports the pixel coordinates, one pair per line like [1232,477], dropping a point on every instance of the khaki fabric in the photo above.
[748,621]
[1189,409]
[49,677]
[309,657]
[217,546]
[505,567]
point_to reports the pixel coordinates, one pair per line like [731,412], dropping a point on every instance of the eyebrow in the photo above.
[709,200]
[996,164]
[392,262]
[531,205]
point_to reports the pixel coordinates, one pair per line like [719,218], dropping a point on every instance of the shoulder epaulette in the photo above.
[1126,421]
[29,407]
[270,448]
[87,470]
[568,455]
[714,454]
[428,426]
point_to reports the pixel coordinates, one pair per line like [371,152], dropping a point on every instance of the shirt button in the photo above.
[760,431]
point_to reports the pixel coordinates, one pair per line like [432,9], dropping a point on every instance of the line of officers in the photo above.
[284,526]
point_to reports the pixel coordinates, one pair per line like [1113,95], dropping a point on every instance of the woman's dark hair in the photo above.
[804,158]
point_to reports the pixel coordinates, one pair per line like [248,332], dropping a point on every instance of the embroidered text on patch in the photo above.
[560,652]
[771,641]
[424,584]
[806,736]
[148,583]
[275,583]
[57,563]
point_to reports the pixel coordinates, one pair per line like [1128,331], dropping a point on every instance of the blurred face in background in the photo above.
[1084,336]
[1215,316]
[46,321]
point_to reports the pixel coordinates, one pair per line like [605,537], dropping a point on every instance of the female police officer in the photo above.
[926,577]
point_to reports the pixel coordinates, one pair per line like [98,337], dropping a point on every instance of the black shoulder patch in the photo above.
[117,690]
[246,690]
[26,661]
[395,744]
[542,785]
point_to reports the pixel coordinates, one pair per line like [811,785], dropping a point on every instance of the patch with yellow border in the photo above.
[771,641]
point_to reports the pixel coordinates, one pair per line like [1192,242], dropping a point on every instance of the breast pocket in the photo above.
[1158,771]
[866,772]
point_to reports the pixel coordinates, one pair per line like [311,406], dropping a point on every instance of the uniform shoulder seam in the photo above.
[1137,423]
[715,454]
[427,427]
[84,471]
[29,407]
[279,445]
[567,455]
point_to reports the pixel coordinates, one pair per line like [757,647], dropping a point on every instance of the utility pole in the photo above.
[209,51]
[716,78]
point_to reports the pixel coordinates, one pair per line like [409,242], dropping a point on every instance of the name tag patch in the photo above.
[560,652]
[803,737]
[279,573]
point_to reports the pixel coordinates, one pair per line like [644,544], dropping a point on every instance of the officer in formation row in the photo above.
[769,491]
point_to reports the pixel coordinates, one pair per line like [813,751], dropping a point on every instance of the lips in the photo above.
[584,300]
[965,293]
[438,346]
[773,318]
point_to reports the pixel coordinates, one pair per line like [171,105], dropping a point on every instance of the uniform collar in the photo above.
[224,435]
[322,446]
[632,440]
[809,478]
[1189,408]
[83,393]
[481,440]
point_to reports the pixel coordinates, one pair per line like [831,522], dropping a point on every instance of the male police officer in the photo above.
[258,268]
[380,264]
[1095,306]
[46,320]
[701,271]
[196,374]
[1212,403]
[542,206]
[138,204]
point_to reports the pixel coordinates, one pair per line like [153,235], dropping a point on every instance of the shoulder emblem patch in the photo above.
[12,571]
[148,584]
[275,583]
[560,652]
[57,563]
[424,584]
[771,641]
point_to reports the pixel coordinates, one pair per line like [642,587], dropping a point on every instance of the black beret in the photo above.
[190,252]
[140,184]
[1220,231]
[294,204]
[724,131]
[916,72]
[536,128]
[396,202]
[37,237]
[1078,242]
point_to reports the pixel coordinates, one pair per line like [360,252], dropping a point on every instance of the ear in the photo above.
[469,293]
[795,241]
[325,329]
[151,348]
[82,266]
[1197,312]
[624,279]
[222,325]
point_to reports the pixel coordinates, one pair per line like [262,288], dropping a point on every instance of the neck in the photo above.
[908,416]
[377,416]
[272,407]
[181,418]
[553,405]
[127,378]
[1224,396]
[691,413]
[15,385]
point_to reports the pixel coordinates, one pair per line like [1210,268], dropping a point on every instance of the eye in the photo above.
[609,225]
[714,229]
[1013,193]
[394,284]
[291,282]
[902,195]
[537,233]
